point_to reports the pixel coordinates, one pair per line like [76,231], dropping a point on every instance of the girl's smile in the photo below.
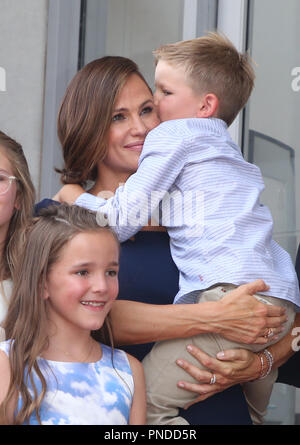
[83,283]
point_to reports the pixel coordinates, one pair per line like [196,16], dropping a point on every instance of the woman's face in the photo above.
[7,200]
[133,117]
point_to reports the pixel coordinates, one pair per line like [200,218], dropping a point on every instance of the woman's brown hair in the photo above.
[26,320]
[86,113]
[25,198]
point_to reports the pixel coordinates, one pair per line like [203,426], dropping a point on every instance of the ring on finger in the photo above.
[269,333]
[213,379]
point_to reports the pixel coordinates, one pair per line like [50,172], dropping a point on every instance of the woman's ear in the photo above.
[45,292]
[209,106]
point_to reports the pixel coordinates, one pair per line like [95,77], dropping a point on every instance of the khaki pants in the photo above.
[164,398]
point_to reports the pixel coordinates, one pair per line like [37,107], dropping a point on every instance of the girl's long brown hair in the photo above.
[86,114]
[25,198]
[26,320]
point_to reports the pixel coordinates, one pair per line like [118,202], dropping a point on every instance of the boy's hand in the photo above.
[69,193]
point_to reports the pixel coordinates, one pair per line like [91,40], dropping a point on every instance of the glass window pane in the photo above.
[131,28]
[134,28]
[273,112]
[272,138]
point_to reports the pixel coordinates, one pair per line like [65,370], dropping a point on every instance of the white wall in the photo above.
[23,30]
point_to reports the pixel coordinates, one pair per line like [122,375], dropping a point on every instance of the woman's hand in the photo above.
[69,193]
[244,319]
[230,368]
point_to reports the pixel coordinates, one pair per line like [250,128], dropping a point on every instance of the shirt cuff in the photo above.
[89,201]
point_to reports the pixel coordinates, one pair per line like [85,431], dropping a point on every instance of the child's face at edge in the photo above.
[7,200]
[83,283]
[173,97]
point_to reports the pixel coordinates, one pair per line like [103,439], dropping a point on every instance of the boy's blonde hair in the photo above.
[213,65]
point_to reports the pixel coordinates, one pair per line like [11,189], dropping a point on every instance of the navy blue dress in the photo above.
[149,275]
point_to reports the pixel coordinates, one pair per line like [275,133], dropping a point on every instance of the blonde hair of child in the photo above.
[27,313]
[213,65]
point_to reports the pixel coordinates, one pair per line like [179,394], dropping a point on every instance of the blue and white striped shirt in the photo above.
[209,203]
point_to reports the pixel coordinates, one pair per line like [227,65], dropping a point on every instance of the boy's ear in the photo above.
[209,106]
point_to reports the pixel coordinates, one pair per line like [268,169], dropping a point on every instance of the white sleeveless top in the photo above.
[5,286]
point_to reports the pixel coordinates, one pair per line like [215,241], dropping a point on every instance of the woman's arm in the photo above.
[234,366]
[138,407]
[69,193]
[238,317]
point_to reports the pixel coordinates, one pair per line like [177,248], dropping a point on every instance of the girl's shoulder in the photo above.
[138,407]
[135,365]
[4,363]
[119,358]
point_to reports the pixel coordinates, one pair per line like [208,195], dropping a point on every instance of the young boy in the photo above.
[201,85]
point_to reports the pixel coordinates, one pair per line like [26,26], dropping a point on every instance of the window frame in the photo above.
[61,66]
[233,22]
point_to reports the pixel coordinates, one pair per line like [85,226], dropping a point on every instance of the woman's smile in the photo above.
[135,146]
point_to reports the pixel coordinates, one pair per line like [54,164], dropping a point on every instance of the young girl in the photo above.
[16,204]
[52,370]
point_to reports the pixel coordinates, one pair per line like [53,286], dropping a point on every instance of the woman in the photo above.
[103,121]
[16,204]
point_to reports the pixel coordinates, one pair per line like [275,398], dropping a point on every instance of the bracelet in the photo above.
[261,357]
[270,361]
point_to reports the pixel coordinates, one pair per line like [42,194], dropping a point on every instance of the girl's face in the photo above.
[83,283]
[133,117]
[8,199]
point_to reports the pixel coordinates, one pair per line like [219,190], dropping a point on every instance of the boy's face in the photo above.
[173,97]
